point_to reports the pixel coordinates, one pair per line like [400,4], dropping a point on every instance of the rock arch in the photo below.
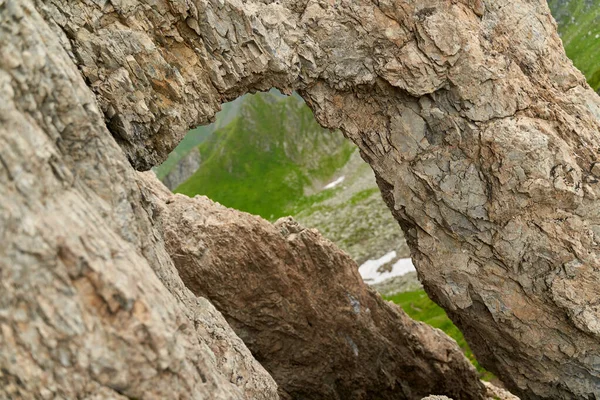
[483,137]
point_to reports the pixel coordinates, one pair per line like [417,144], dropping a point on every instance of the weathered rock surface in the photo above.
[300,305]
[482,135]
[492,393]
[91,305]
[483,138]
[496,393]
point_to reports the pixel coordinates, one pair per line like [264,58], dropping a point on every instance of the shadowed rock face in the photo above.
[483,138]
[301,307]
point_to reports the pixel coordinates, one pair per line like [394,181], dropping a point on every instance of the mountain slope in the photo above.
[354,216]
[177,167]
[269,156]
[579,28]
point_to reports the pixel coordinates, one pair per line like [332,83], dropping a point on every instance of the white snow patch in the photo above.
[403,266]
[335,183]
[369,272]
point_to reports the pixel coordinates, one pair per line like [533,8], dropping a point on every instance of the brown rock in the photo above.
[300,305]
[91,305]
[479,130]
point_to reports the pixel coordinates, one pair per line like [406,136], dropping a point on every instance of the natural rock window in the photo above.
[482,136]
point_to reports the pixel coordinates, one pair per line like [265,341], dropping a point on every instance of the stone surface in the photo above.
[91,305]
[436,398]
[492,393]
[300,305]
[481,134]
[496,393]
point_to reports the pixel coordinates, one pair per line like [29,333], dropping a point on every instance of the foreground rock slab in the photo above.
[91,305]
[300,305]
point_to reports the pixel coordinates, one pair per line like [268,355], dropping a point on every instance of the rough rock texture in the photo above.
[91,305]
[492,393]
[436,398]
[183,170]
[483,138]
[301,307]
[496,393]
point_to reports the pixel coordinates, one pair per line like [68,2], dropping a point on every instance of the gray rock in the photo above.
[434,397]
[494,196]
[183,169]
[91,305]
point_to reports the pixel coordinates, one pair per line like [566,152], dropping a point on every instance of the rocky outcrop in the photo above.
[91,305]
[492,393]
[183,169]
[482,135]
[300,305]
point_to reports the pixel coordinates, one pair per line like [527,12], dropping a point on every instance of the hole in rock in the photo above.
[266,154]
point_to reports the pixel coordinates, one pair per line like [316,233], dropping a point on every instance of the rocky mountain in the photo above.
[482,137]
[184,160]
[185,166]
[353,192]
[579,29]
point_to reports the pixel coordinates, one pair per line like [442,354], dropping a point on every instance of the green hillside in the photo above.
[196,136]
[268,157]
[579,28]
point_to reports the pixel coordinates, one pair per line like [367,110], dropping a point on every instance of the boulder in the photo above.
[301,307]
[91,305]
[482,135]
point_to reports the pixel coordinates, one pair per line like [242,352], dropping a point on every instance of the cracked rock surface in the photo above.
[91,305]
[482,135]
[301,307]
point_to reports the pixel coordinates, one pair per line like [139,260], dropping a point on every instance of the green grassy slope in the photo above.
[419,307]
[267,157]
[579,28]
[197,136]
